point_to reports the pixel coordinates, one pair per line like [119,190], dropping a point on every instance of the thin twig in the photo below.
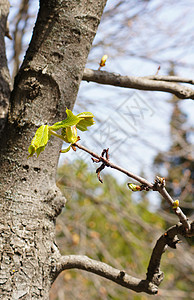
[157,186]
[170,78]
[113,166]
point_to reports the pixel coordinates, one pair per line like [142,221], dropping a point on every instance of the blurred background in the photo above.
[148,133]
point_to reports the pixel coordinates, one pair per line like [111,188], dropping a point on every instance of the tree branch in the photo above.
[159,184]
[20,26]
[154,275]
[169,238]
[169,78]
[113,166]
[150,83]
[104,270]
[5,80]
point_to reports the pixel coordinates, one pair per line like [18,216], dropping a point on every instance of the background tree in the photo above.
[178,163]
[178,160]
[39,96]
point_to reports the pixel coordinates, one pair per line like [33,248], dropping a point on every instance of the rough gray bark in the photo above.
[46,84]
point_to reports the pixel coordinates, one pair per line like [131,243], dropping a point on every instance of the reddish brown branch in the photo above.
[157,186]
[113,166]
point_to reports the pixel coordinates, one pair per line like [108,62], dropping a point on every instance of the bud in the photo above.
[134,187]
[175,204]
[103,60]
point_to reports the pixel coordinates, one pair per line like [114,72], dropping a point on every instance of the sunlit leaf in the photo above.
[68,122]
[39,141]
[65,150]
[68,131]
[71,134]
[31,150]
[87,120]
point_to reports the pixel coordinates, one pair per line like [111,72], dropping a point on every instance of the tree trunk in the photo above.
[46,84]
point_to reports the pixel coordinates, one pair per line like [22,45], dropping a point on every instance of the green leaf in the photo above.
[68,122]
[71,134]
[39,150]
[82,121]
[68,133]
[65,150]
[39,141]
[87,120]
[85,114]
[31,150]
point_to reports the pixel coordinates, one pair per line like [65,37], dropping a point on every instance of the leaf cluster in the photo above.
[68,129]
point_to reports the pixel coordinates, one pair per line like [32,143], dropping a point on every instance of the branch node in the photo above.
[158,278]
[171,242]
[144,187]
[95,160]
[121,274]
[159,183]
